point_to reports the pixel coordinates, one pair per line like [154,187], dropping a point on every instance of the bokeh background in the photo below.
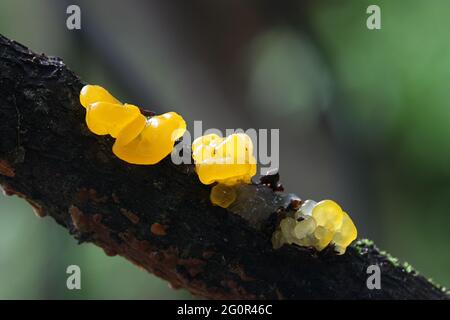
[364,116]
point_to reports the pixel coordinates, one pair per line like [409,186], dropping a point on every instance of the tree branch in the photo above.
[159,217]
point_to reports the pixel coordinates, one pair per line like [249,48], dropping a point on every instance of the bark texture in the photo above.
[159,217]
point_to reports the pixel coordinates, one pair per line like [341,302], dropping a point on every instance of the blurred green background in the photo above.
[364,115]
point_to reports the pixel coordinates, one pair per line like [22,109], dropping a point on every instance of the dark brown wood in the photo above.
[159,217]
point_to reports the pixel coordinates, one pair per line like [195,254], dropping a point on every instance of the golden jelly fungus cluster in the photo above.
[228,161]
[317,225]
[139,140]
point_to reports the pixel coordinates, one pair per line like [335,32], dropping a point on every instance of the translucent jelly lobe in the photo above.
[222,195]
[154,142]
[90,94]
[317,225]
[229,160]
[328,214]
[123,122]
[345,234]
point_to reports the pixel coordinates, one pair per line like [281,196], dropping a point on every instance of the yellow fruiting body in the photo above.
[155,141]
[90,94]
[138,140]
[345,235]
[304,228]
[278,239]
[287,226]
[317,225]
[229,160]
[131,130]
[222,195]
[123,122]
[328,214]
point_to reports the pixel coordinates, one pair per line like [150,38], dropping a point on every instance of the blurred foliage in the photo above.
[395,80]
[287,76]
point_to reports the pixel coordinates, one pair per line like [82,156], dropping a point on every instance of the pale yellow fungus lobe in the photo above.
[328,214]
[222,195]
[317,225]
[345,235]
[138,140]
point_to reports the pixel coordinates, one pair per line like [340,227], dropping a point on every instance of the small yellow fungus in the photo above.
[91,94]
[328,214]
[287,226]
[222,195]
[123,122]
[229,160]
[155,141]
[317,225]
[345,235]
[322,237]
[304,228]
[278,239]
[138,140]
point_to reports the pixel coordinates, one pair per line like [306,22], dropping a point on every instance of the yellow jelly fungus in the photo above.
[91,94]
[229,160]
[278,239]
[287,226]
[155,141]
[304,228]
[222,195]
[123,122]
[345,235]
[138,140]
[328,214]
[317,225]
